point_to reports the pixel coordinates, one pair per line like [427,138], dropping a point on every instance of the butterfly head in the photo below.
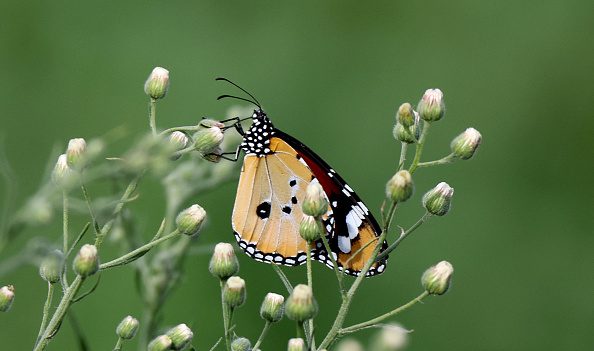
[256,140]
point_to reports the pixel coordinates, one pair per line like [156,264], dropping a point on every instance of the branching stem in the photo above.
[419,148]
[262,335]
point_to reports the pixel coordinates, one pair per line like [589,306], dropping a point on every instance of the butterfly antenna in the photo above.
[238,98]
[257,103]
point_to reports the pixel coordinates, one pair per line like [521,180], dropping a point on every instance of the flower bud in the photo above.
[296,344]
[86,262]
[181,336]
[127,328]
[189,220]
[349,345]
[51,267]
[408,134]
[178,141]
[208,137]
[223,263]
[400,187]
[405,115]
[234,292]
[392,337]
[157,83]
[241,344]
[61,174]
[310,228]
[465,144]
[75,152]
[6,297]
[160,343]
[301,304]
[315,202]
[431,107]
[438,200]
[436,279]
[272,308]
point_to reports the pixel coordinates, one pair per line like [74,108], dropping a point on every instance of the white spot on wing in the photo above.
[353,222]
[362,205]
[346,192]
[348,188]
[344,244]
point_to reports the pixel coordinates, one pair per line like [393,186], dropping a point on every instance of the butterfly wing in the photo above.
[267,209]
[350,225]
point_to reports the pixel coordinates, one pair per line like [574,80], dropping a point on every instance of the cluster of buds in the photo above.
[69,162]
[177,338]
[190,220]
[408,124]
[301,304]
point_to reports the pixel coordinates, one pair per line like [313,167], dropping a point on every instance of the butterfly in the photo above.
[276,171]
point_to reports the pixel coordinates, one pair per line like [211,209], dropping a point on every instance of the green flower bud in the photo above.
[241,344]
[315,202]
[178,141]
[310,228]
[181,336]
[6,297]
[432,107]
[189,220]
[400,187]
[301,304]
[405,115]
[223,263]
[391,337]
[62,174]
[438,200]
[296,344]
[209,136]
[127,328]
[75,153]
[436,279]
[160,343]
[157,83]
[50,269]
[465,144]
[272,308]
[349,345]
[408,134]
[86,262]
[234,293]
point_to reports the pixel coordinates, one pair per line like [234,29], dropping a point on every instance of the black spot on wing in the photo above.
[263,210]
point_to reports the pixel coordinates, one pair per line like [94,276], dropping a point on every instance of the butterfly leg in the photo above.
[236,124]
[232,159]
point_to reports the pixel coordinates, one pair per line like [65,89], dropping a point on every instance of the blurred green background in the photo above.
[332,73]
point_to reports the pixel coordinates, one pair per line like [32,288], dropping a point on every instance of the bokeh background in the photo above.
[331,73]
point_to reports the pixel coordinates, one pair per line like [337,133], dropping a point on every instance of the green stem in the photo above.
[180,129]
[89,207]
[348,298]
[299,330]
[395,244]
[133,255]
[442,161]
[56,320]
[118,345]
[152,116]
[374,321]
[334,264]
[46,307]
[419,148]
[403,150]
[283,278]
[225,317]
[262,335]
[64,280]
[310,322]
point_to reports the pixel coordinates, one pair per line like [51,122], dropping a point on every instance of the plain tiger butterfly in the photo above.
[276,171]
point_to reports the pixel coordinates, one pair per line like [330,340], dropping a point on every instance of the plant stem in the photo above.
[152,116]
[442,161]
[283,278]
[334,264]
[374,321]
[225,318]
[395,244]
[262,335]
[46,307]
[64,279]
[348,298]
[132,255]
[89,207]
[310,322]
[118,345]
[180,129]
[419,148]
[403,150]
[59,314]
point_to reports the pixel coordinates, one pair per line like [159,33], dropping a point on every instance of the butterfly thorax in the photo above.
[256,140]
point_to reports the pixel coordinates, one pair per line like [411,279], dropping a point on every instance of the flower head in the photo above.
[157,83]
